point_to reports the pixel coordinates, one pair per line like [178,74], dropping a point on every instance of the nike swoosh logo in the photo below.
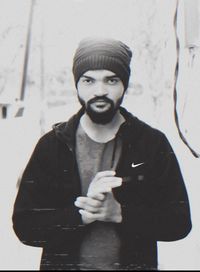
[136,165]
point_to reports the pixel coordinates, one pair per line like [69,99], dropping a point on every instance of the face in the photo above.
[100,92]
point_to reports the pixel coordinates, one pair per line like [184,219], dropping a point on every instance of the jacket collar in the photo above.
[66,131]
[129,130]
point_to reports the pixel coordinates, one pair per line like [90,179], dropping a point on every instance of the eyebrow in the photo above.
[114,76]
[87,77]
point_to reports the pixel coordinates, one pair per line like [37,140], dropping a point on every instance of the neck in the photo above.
[102,133]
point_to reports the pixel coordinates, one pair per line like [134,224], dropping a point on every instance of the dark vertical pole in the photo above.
[42,94]
[4,111]
[196,155]
[27,50]
[42,82]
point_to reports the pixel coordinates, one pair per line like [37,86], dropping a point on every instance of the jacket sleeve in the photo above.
[165,215]
[37,220]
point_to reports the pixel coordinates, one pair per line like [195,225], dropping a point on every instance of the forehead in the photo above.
[99,73]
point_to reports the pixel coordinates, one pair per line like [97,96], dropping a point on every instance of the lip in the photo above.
[100,105]
[100,102]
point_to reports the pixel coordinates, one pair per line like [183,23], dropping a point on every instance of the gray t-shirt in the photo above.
[100,247]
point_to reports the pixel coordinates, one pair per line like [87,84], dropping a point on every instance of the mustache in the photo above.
[102,98]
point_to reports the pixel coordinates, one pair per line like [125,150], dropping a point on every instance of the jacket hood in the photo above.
[65,131]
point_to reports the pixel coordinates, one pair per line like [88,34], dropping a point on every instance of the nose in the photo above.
[100,89]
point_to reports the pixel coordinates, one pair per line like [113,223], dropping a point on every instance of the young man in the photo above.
[100,190]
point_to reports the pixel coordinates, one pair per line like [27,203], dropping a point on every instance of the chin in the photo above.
[102,118]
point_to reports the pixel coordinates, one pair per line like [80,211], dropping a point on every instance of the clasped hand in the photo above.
[100,204]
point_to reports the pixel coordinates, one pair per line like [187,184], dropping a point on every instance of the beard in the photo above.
[104,117]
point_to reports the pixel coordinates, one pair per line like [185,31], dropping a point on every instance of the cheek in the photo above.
[117,94]
[84,94]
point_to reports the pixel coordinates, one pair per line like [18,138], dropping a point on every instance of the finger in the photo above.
[92,205]
[92,209]
[104,188]
[81,198]
[79,204]
[89,215]
[111,181]
[98,196]
[89,201]
[94,202]
[104,174]
[85,206]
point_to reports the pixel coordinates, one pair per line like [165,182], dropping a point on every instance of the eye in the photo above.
[87,81]
[113,81]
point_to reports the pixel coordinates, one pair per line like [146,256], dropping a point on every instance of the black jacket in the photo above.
[153,197]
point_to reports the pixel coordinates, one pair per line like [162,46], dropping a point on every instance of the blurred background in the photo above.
[37,42]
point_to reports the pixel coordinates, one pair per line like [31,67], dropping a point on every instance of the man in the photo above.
[100,190]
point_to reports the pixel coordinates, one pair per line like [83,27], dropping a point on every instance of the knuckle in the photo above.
[98,204]
[94,203]
[99,174]
[89,215]
[91,209]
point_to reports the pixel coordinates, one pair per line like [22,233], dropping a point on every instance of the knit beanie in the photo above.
[102,54]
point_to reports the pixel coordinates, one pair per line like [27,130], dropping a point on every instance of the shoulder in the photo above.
[140,128]
[48,141]
[155,141]
[47,138]
[143,135]
[152,133]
